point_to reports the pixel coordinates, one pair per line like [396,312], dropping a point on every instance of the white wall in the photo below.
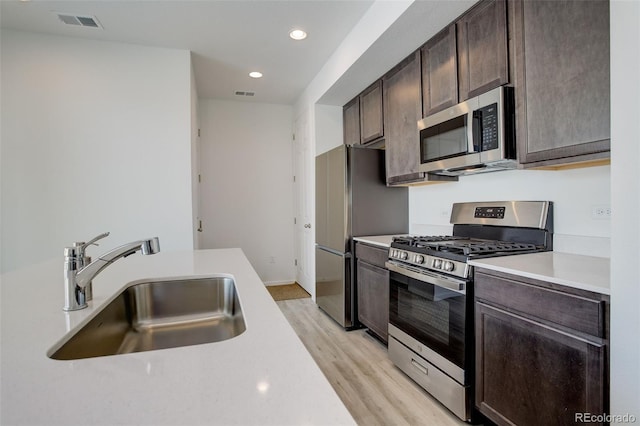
[625,202]
[95,137]
[574,193]
[247,183]
[328,125]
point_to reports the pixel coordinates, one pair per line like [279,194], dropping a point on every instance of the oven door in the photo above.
[433,315]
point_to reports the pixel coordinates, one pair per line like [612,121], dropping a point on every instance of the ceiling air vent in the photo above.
[244,93]
[79,20]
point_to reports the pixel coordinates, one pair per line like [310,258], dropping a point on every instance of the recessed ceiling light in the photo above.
[255,74]
[298,34]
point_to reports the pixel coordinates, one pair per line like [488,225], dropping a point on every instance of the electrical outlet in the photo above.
[602,211]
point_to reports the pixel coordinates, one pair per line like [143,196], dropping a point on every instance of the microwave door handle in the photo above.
[475,144]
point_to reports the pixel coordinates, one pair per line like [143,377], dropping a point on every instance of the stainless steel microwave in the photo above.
[474,136]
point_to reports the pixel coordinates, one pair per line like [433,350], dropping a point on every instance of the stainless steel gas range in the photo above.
[431,334]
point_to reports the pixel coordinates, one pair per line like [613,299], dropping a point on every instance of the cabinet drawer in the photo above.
[374,255]
[438,384]
[575,312]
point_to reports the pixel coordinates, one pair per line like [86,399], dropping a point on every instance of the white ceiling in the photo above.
[228,39]
[421,21]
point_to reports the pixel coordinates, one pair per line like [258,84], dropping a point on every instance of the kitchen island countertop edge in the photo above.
[263,376]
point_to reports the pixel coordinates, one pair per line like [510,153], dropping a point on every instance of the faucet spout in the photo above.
[149,246]
[76,279]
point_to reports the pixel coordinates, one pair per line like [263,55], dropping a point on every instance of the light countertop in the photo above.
[377,240]
[264,376]
[577,271]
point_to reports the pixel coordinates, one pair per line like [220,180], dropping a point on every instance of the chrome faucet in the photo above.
[78,272]
[83,260]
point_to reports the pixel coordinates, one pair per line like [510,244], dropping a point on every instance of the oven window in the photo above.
[432,315]
[448,139]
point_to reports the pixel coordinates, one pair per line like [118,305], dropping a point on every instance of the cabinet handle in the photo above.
[419,367]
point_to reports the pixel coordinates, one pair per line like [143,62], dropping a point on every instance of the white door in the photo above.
[303,193]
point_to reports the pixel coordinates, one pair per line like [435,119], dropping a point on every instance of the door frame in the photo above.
[304,233]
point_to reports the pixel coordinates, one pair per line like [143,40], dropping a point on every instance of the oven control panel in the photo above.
[451,267]
[489,212]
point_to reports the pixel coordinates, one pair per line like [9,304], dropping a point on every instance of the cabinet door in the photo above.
[402,106]
[439,72]
[371,122]
[351,122]
[562,80]
[373,298]
[482,49]
[528,373]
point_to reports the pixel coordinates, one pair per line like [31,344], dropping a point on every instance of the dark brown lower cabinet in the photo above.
[373,289]
[531,368]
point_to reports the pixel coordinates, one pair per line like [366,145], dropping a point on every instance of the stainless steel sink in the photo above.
[158,315]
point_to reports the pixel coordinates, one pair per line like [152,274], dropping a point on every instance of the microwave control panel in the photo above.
[489,127]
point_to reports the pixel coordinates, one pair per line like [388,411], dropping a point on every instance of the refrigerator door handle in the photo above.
[332,251]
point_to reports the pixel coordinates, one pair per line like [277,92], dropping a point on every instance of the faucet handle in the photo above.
[81,245]
[76,259]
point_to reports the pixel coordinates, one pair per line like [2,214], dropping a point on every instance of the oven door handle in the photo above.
[427,277]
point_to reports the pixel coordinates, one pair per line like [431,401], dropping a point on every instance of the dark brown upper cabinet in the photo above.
[371,118]
[561,75]
[351,122]
[402,106]
[482,49]
[439,72]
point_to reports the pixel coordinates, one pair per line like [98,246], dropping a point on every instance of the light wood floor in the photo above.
[374,391]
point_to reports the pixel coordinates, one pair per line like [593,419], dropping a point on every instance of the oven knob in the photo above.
[404,255]
[437,263]
[448,266]
[419,259]
[392,253]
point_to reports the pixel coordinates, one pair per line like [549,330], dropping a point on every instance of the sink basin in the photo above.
[158,315]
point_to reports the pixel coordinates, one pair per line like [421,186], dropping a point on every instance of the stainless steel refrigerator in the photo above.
[352,200]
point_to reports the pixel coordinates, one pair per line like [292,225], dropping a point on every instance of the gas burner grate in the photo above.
[496,247]
[461,245]
[423,241]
